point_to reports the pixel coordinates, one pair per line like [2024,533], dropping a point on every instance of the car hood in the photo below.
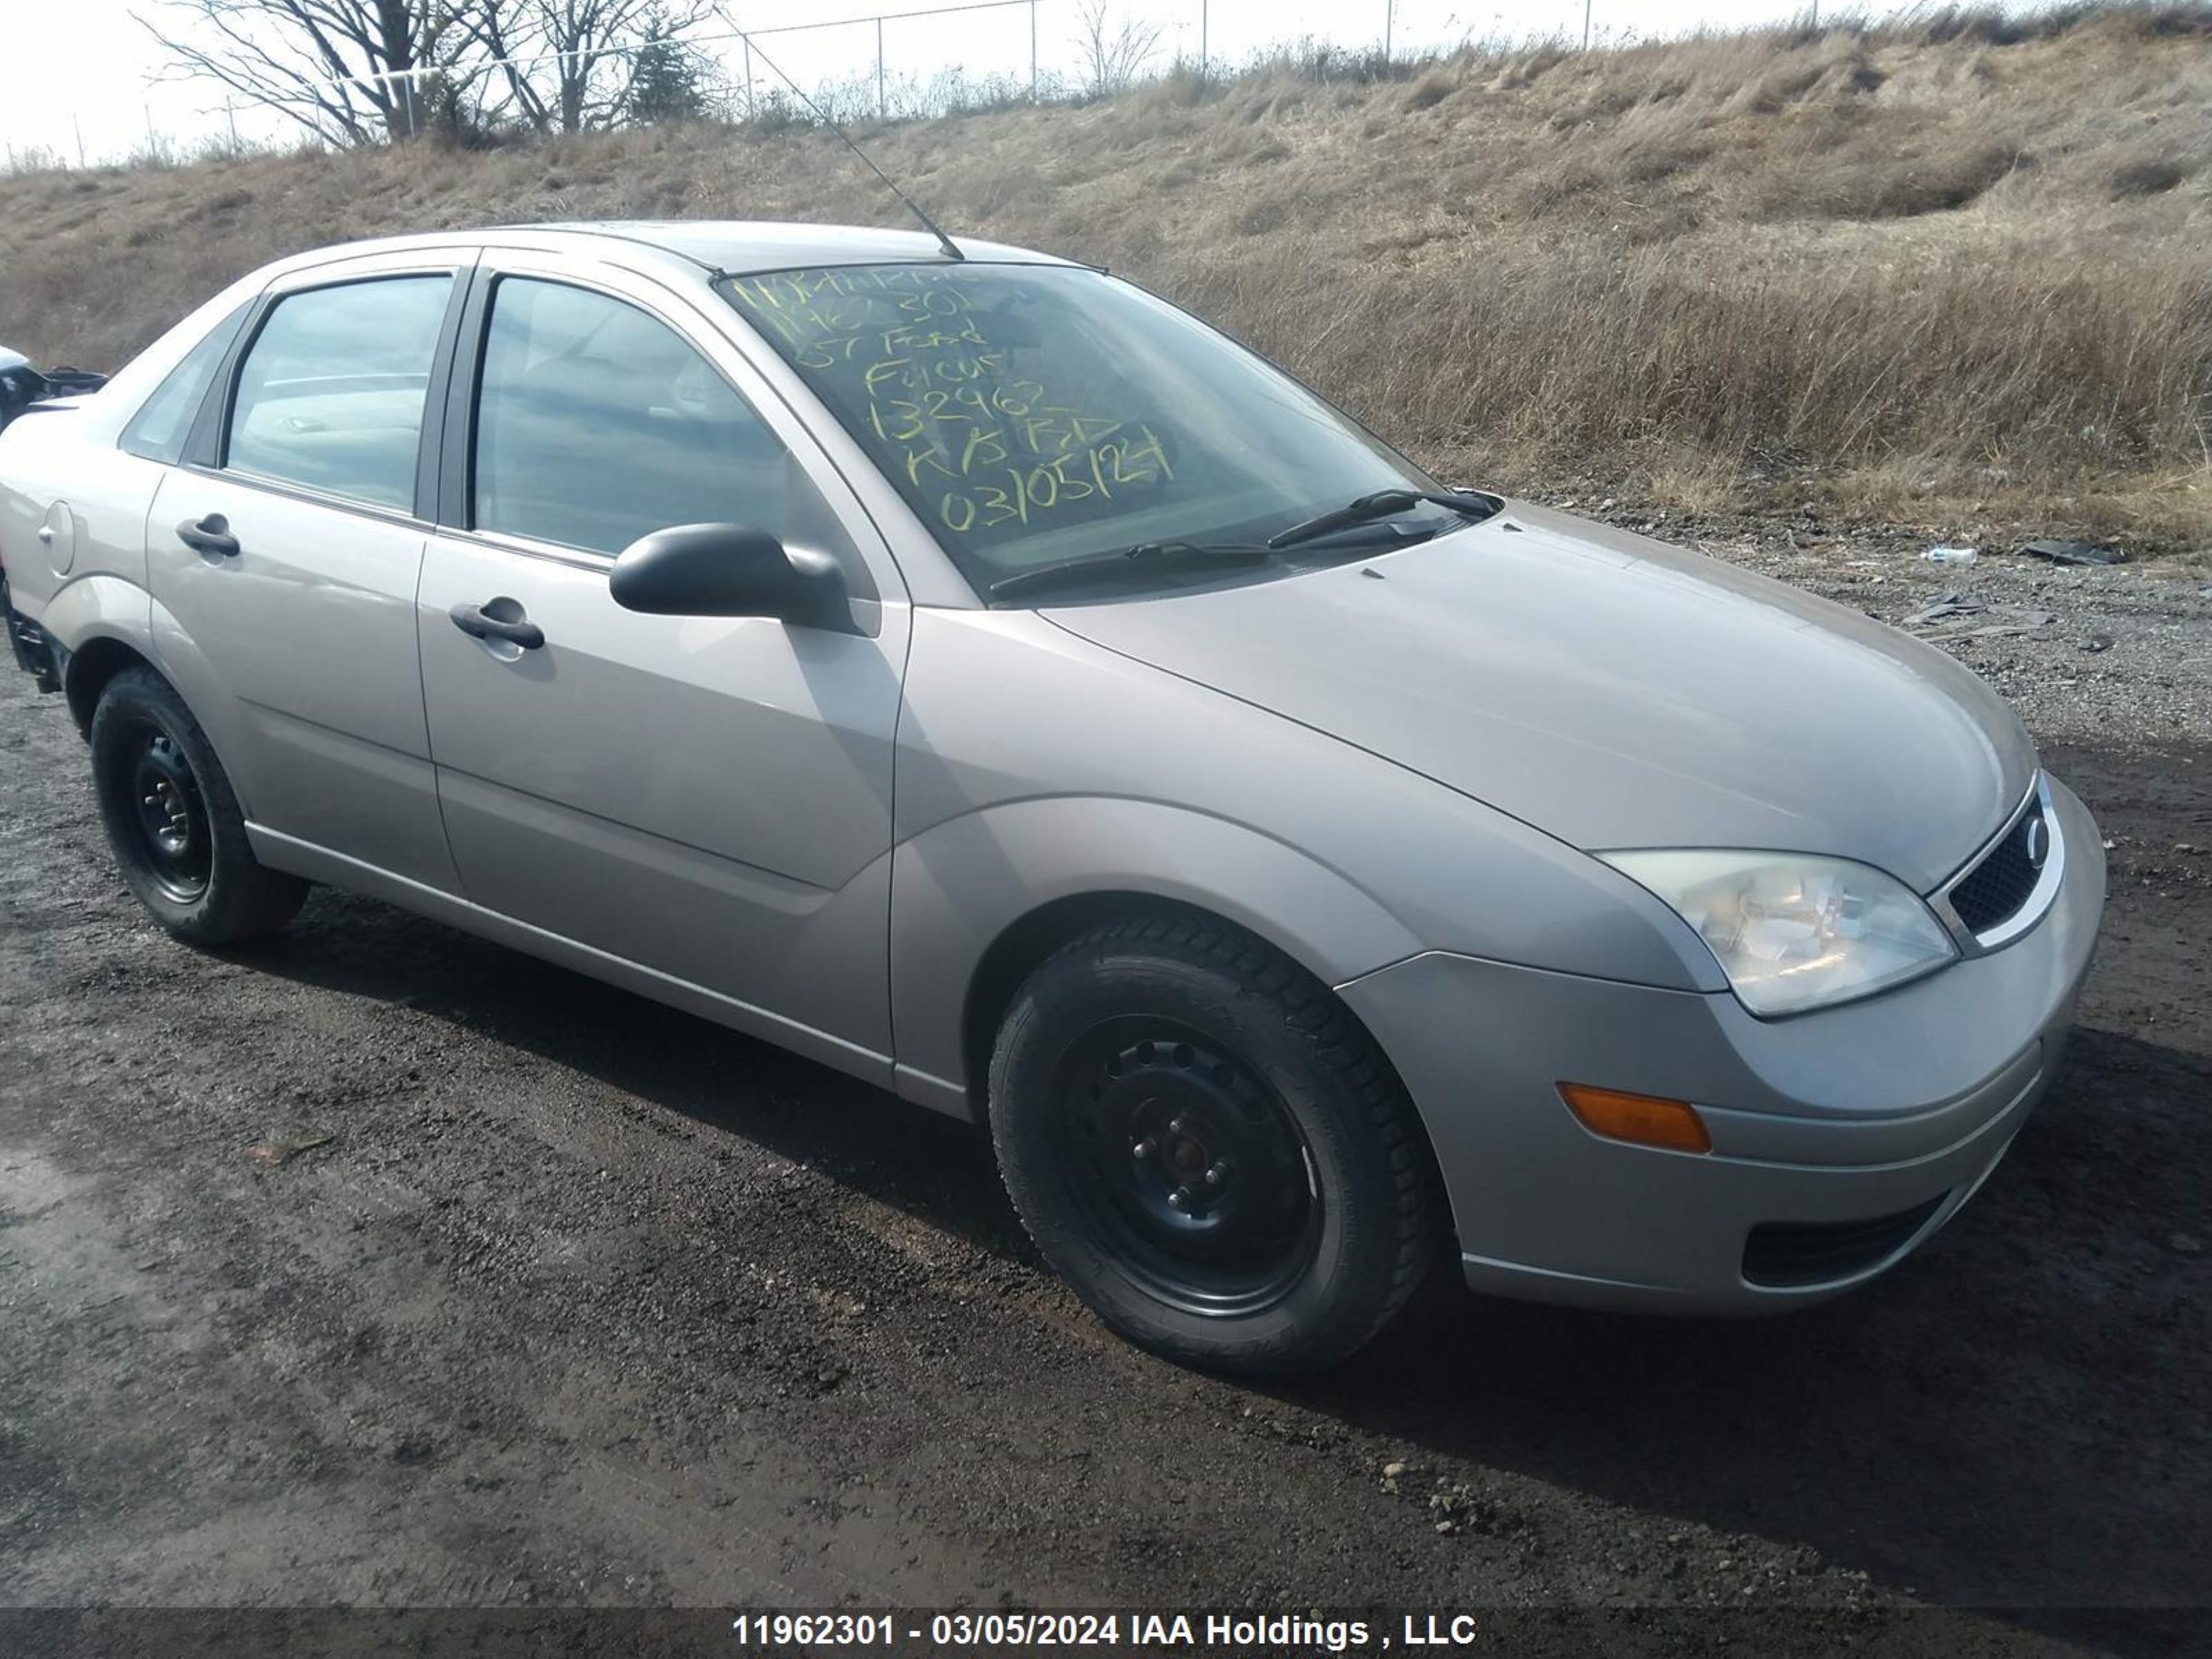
[1613,692]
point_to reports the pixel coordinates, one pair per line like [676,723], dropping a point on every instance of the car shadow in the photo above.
[937,1170]
[2013,1420]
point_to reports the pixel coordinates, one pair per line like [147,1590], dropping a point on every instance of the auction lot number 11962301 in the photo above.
[1007,1630]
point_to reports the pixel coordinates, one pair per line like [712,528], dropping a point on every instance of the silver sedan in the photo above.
[965,668]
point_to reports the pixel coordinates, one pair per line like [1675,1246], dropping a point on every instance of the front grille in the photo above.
[1798,1253]
[1997,887]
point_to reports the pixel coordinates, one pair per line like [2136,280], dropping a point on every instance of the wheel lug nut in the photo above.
[1179,1198]
[1143,1151]
[1216,1172]
[1179,1125]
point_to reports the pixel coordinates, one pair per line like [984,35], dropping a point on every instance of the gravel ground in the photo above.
[2086,653]
[379,1266]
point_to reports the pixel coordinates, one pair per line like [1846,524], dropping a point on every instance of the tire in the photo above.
[1308,1211]
[174,822]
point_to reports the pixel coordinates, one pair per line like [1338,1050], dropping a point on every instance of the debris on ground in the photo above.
[2073,552]
[1948,607]
[1943,605]
[1950,555]
[274,1153]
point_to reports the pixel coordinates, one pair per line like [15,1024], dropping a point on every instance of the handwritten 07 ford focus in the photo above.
[962,667]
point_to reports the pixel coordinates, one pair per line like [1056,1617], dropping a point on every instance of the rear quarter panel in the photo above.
[67,454]
[56,473]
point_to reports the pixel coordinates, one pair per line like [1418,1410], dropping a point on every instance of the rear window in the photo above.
[331,394]
[159,429]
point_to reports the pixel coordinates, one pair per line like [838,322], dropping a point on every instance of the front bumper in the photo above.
[1842,1138]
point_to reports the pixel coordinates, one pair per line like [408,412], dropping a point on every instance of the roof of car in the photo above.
[741,246]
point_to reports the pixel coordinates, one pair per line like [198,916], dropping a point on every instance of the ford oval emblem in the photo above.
[2038,842]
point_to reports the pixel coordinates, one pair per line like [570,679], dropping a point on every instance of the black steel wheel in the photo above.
[175,824]
[168,825]
[1209,1148]
[1187,1167]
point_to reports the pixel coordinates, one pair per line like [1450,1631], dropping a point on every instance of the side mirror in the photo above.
[728,570]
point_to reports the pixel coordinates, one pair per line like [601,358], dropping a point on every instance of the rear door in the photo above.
[708,797]
[284,557]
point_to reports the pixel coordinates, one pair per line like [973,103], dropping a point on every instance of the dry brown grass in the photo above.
[1926,273]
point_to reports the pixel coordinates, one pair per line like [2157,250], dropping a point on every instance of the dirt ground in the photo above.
[579,1300]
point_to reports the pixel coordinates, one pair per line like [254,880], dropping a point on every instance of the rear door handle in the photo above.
[473,619]
[210,536]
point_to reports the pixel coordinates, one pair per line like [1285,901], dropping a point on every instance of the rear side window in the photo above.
[157,432]
[331,392]
[597,424]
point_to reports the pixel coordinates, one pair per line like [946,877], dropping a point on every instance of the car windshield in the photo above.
[1033,414]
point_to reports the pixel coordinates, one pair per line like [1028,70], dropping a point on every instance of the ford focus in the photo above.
[966,668]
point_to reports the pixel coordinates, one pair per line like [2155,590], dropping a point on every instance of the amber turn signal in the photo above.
[1646,1119]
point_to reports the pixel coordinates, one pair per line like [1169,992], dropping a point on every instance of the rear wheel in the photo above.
[1206,1145]
[179,837]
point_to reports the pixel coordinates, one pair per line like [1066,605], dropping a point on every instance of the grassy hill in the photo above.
[1960,271]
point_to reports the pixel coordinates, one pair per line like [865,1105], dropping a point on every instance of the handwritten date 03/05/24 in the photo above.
[1194,1632]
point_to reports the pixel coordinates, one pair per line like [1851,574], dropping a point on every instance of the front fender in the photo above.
[958,886]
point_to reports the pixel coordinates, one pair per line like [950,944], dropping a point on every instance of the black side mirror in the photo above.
[728,570]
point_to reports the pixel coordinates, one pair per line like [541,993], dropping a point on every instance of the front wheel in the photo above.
[1207,1146]
[179,837]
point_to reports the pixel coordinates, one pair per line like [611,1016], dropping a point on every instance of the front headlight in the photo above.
[1795,931]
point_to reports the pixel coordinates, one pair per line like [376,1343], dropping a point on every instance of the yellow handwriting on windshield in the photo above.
[949,389]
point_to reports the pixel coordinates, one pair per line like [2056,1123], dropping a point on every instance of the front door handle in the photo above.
[474,619]
[210,535]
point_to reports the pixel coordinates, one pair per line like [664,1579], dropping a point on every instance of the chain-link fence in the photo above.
[908,63]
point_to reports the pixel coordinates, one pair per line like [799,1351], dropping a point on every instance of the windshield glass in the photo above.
[1036,414]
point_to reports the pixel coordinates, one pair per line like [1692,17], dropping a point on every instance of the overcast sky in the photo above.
[84,67]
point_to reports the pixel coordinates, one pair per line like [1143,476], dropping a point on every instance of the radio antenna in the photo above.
[951,250]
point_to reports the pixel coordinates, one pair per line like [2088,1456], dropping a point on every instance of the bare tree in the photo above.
[1115,47]
[567,64]
[349,71]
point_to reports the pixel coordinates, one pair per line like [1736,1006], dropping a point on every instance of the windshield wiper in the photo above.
[1382,504]
[1130,561]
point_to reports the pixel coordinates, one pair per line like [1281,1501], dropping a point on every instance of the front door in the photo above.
[283,559]
[709,798]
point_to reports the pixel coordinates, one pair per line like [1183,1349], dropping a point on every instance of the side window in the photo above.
[157,432]
[596,424]
[331,392]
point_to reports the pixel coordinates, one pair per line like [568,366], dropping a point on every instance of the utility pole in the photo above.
[750,112]
[79,126]
[1033,84]
[879,68]
[1203,7]
[1586,14]
[1389,12]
